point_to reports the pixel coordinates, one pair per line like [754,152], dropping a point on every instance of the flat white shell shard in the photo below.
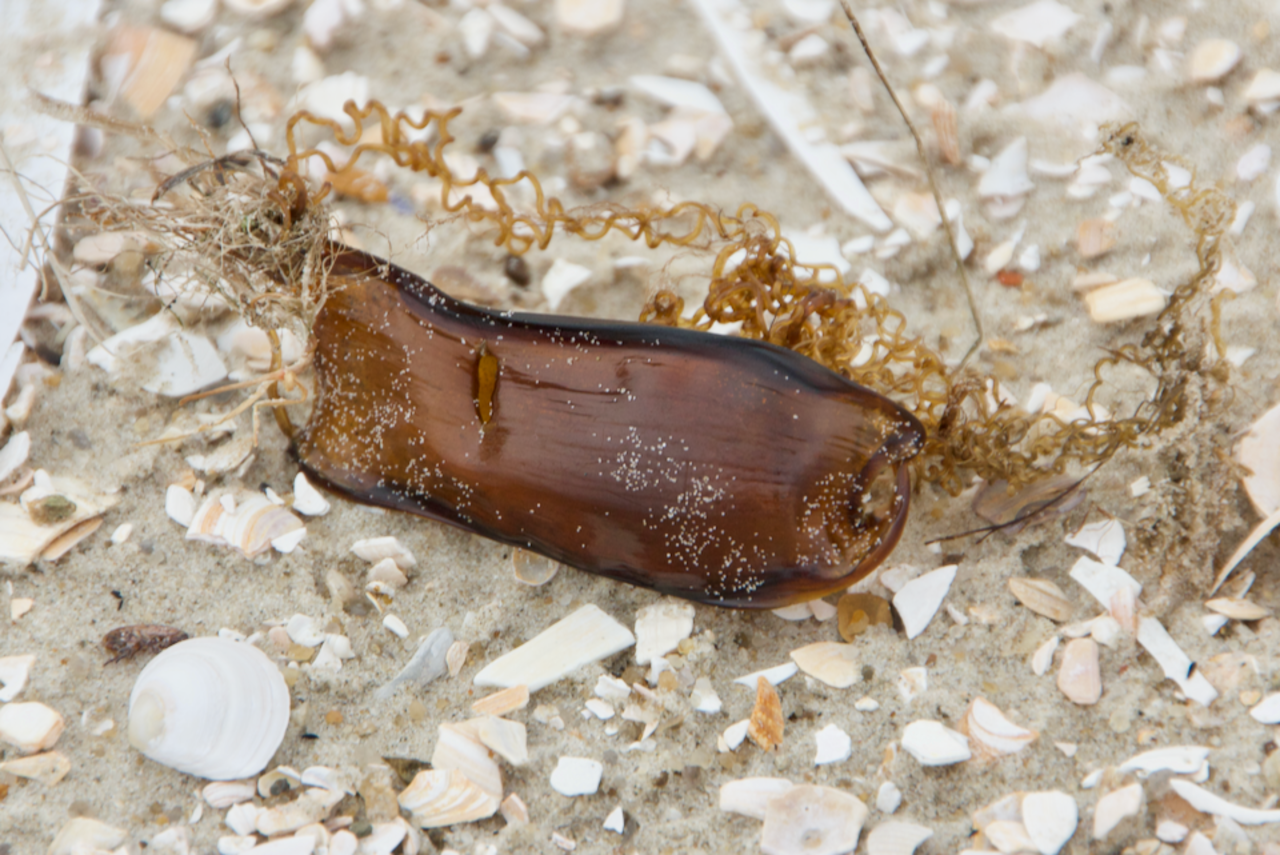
[751,796]
[615,821]
[458,748]
[1008,836]
[774,675]
[676,92]
[1175,663]
[223,794]
[209,707]
[374,549]
[1036,23]
[1104,539]
[991,733]
[1103,580]
[14,454]
[427,663]
[794,612]
[919,600]
[1079,677]
[896,838]
[833,746]
[82,835]
[1179,759]
[734,734]
[704,697]
[1007,175]
[912,682]
[888,797]
[48,767]
[1259,450]
[660,627]
[1212,60]
[583,637]
[1206,802]
[829,662]
[576,776]
[14,671]
[1115,807]
[507,739]
[179,504]
[934,745]
[789,111]
[305,630]
[30,726]
[1073,99]
[307,500]
[440,797]
[1050,819]
[1267,712]
[813,820]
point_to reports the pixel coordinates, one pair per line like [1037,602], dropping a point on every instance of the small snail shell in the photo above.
[210,707]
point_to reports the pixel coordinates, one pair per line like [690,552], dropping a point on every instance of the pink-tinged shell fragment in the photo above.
[1079,676]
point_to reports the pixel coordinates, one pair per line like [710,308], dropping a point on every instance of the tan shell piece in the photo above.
[1079,676]
[1042,597]
[829,662]
[22,539]
[503,702]
[440,797]
[991,734]
[766,725]
[1238,609]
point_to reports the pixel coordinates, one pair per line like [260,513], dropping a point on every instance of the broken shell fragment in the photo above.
[1079,676]
[48,768]
[660,627]
[812,819]
[829,662]
[30,726]
[990,733]
[919,600]
[209,707]
[751,796]
[1114,808]
[14,671]
[1238,609]
[585,636]
[374,549]
[1042,597]
[440,797]
[1050,819]
[1124,301]
[766,724]
[307,500]
[896,838]
[934,745]
[576,776]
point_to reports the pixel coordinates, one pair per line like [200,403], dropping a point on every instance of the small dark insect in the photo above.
[127,641]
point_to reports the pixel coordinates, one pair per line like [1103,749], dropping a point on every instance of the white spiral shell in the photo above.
[210,707]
